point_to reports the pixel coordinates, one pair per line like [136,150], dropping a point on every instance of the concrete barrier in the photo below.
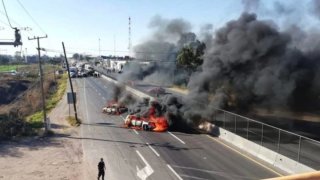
[284,163]
[109,79]
[304,176]
[129,89]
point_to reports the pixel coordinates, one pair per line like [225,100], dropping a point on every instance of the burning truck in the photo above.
[148,117]
[156,115]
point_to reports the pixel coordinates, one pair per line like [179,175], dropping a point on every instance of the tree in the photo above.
[190,57]
[4,59]
[81,57]
[75,56]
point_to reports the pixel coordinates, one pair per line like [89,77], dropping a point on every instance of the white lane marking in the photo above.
[145,172]
[174,172]
[135,131]
[103,98]
[176,138]
[193,177]
[105,86]
[99,94]
[153,150]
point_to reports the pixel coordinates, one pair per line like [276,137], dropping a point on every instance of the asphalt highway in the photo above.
[132,154]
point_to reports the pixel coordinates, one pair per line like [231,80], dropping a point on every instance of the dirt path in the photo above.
[58,157]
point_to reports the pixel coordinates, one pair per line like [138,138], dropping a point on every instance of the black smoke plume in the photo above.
[315,8]
[119,94]
[159,52]
[252,64]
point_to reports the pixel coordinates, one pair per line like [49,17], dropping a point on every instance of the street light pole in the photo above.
[71,86]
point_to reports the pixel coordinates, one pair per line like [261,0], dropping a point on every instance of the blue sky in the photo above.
[80,23]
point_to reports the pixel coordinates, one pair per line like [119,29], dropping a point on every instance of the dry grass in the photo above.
[72,121]
[28,105]
[54,92]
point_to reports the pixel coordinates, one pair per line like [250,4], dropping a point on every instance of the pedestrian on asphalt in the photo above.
[101,168]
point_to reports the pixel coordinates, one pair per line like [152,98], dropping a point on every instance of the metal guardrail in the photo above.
[294,146]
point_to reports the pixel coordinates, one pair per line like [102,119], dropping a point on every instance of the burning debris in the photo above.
[148,117]
[118,100]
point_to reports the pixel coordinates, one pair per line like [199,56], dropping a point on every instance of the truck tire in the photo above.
[145,127]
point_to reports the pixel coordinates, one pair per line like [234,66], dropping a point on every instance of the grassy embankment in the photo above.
[7,68]
[36,120]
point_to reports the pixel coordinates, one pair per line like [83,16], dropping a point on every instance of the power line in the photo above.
[34,21]
[27,29]
[4,14]
[5,10]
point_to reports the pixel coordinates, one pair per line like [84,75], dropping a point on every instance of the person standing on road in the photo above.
[101,168]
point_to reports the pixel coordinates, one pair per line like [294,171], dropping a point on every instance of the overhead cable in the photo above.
[5,10]
[34,21]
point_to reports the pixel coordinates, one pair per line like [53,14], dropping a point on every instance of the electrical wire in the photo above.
[34,21]
[4,7]
[15,22]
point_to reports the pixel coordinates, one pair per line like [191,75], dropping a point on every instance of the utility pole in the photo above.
[26,55]
[41,82]
[71,86]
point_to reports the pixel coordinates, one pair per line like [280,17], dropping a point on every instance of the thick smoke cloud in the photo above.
[168,30]
[252,64]
[161,50]
[206,34]
[119,94]
[315,8]
[282,9]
